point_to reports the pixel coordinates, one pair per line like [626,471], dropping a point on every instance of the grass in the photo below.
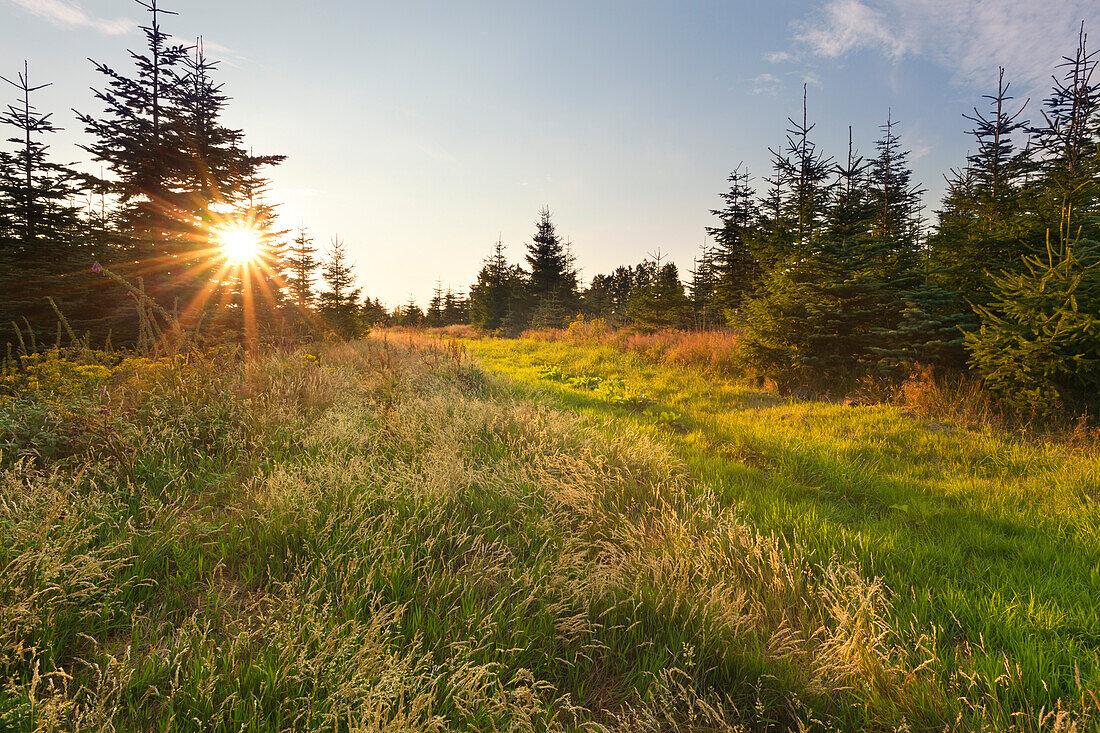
[386,537]
[989,544]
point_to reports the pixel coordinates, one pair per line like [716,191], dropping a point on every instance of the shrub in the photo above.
[1038,345]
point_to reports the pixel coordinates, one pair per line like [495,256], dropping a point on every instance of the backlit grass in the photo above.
[988,543]
[382,537]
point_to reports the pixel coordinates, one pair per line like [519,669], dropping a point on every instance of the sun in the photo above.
[239,244]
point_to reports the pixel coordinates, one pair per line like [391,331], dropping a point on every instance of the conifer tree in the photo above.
[339,304]
[410,315]
[137,138]
[735,266]
[553,278]
[816,322]
[807,173]
[851,211]
[455,308]
[498,294]
[302,264]
[984,223]
[43,252]
[37,190]
[374,313]
[658,301]
[775,240]
[179,173]
[1069,145]
[701,290]
[1038,346]
[433,316]
[895,201]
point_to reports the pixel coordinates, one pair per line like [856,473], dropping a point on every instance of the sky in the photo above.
[420,132]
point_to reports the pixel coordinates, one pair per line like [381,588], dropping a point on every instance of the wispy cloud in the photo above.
[968,37]
[69,15]
[767,84]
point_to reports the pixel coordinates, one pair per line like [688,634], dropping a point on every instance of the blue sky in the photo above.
[420,131]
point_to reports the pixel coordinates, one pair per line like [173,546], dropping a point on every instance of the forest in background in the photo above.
[827,267]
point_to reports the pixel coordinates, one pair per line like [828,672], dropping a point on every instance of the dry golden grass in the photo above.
[381,537]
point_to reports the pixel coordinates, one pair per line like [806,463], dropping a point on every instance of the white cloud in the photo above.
[765,84]
[971,38]
[68,15]
[845,25]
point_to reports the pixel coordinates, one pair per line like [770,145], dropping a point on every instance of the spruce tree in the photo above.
[1069,146]
[986,219]
[658,301]
[735,266]
[339,304]
[43,248]
[38,190]
[553,278]
[137,138]
[433,317]
[807,173]
[1038,346]
[701,290]
[455,308]
[302,264]
[496,299]
[816,322]
[895,203]
[852,209]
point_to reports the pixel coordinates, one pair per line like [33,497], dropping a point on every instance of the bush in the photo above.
[1038,345]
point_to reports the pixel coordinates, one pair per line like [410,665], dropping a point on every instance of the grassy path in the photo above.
[991,546]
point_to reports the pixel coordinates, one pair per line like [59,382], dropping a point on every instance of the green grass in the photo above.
[390,538]
[989,544]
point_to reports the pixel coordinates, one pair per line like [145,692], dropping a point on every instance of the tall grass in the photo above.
[383,537]
[987,544]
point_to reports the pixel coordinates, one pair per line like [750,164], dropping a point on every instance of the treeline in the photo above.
[145,238]
[833,276]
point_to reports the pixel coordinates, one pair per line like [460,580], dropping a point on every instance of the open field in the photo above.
[988,543]
[387,537]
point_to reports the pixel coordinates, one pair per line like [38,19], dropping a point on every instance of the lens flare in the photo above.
[239,244]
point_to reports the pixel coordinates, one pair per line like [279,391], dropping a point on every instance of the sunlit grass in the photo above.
[386,537]
[990,544]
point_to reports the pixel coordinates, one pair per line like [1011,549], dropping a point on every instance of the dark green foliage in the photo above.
[816,323]
[1038,346]
[658,300]
[608,296]
[701,291]
[1069,145]
[339,304]
[984,222]
[301,264]
[805,174]
[497,298]
[374,313]
[44,245]
[895,202]
[456,308]
[446,308]
[552,282]
[178,171]
[929,332]
[409,315]
[733,266]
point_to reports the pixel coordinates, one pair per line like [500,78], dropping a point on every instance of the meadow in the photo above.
[420,534]
[988,540]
